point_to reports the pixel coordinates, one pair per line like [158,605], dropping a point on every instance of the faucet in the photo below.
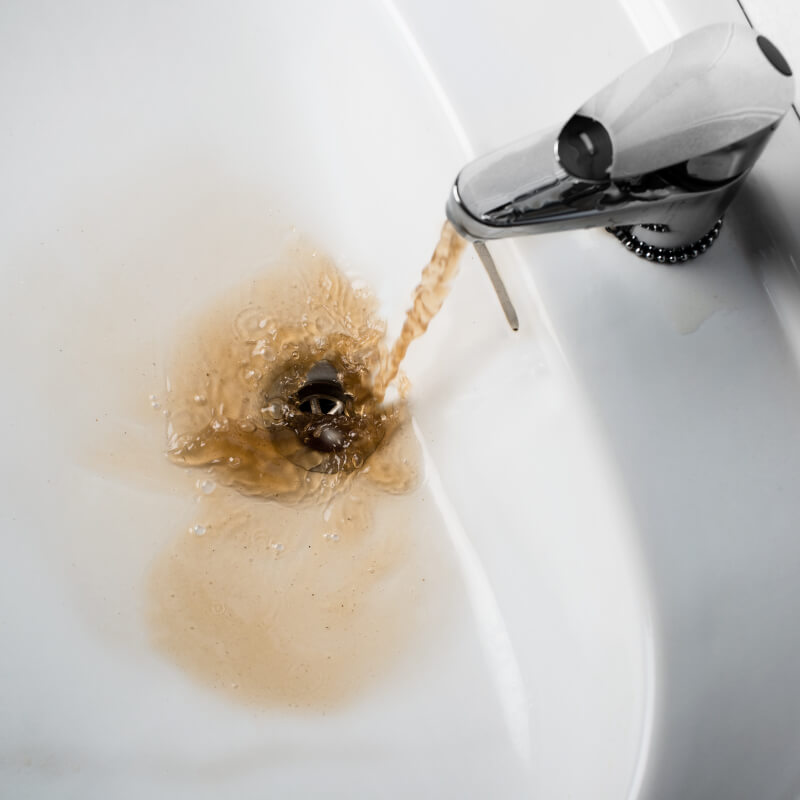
[655,157]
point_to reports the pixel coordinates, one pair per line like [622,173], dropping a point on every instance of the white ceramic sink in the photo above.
[614,515]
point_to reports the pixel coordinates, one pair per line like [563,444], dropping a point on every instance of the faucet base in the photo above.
[663,255]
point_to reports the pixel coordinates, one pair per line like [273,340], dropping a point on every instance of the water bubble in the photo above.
[220,424]
[246,425]
[262,323]
[200,399]
[206,485]
[264,350]
[234,462]
[198,530]
[357,460]
[248,323]
[274,409]
[331,537]
[277,547]
[154,401]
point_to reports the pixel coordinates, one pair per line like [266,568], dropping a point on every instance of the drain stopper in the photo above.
[321,431]
[322,393]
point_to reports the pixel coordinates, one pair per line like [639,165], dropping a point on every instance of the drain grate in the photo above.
[322,393]
[320,429]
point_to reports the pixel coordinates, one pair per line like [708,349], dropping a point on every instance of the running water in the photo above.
[430,294]
[291,586]
[302,600]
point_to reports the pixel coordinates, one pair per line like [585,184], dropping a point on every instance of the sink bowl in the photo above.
[607,491]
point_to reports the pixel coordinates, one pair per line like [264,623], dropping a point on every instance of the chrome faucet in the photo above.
[656,156]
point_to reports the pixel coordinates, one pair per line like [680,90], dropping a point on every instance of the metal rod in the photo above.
[497,283]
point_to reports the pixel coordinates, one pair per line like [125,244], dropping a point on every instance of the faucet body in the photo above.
[662,150]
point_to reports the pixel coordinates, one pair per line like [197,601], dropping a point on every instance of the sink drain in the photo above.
[322,394]
[320,429]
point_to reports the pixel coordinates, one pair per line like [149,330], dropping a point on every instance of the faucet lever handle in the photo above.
[704,92]
[658,153]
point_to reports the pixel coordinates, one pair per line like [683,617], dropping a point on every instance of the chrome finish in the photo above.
[661,151]
[664,255]
[498,285]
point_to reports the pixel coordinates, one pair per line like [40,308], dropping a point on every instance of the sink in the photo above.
[607,490]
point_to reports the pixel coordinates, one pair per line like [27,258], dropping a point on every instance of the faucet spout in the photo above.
[658,154]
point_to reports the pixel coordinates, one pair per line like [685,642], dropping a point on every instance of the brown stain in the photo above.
[308,625]
[239,362]
[303,587]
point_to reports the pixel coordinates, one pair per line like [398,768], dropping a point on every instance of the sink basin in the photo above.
[607,490]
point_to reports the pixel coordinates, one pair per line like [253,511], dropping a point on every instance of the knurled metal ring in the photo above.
[664,255]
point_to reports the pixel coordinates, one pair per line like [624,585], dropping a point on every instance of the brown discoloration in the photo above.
[308,625]
[240,361]
[304,587]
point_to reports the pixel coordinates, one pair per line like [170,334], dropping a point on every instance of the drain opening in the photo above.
[322,404]
[320,429]
[322,392]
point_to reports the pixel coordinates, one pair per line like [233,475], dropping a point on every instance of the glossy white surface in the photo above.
[693,375]
[627,561]
[153,157]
